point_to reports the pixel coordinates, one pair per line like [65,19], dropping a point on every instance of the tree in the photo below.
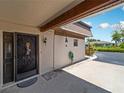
[122,35]
[116,36]
[120,28]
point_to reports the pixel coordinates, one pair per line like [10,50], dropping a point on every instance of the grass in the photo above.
[111,49]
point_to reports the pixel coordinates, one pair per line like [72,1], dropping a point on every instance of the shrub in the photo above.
[90,50]
[117,49]
[71,55]
[121,45]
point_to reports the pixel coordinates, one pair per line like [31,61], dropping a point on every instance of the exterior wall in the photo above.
[54,51]
[61,51]
[47,52]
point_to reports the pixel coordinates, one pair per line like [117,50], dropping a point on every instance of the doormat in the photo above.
[27,83]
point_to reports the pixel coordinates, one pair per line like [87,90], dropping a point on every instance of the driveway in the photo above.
[84,77]
[111,57]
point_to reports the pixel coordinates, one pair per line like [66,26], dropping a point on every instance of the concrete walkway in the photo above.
[83,77]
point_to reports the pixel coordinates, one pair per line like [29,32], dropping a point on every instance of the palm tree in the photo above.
[116,36]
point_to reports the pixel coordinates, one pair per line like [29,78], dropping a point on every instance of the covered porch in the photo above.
[36,36]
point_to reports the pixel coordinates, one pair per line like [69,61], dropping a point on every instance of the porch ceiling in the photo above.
[33,12]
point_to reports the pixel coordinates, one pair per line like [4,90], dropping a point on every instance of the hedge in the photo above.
[121,45]
[121,50]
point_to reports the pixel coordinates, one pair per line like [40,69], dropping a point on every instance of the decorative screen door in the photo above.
[26,56]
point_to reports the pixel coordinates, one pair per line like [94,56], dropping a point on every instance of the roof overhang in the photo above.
[66,33]
[76,30]
[84,9]
[82,29]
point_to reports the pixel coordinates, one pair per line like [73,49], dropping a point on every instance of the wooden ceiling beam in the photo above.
[82,10]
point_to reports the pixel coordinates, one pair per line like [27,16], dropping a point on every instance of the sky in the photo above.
[104,24]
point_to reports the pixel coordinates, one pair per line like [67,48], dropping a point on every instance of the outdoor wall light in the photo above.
[45,40]
[66,41]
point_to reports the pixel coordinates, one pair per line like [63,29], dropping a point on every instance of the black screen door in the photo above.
[8,57]
[26,56]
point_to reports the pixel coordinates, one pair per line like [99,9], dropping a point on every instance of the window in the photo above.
[75,42]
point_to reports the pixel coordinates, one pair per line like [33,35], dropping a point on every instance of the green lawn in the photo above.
[113,49]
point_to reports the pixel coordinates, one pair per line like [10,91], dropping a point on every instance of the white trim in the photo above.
[74,31]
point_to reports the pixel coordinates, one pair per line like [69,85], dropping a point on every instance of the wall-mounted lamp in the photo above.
[45,40]
[66,41]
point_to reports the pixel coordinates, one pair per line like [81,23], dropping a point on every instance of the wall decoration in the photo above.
[28,48]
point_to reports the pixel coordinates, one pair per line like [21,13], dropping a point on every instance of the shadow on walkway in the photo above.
[78,85]
[58,81]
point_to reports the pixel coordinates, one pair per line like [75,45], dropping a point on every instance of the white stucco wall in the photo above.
[53,53]
[47,51]
[61,51]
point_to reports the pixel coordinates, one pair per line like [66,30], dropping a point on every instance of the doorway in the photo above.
[20,56]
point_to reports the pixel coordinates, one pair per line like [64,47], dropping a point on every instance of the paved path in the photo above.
[111,57]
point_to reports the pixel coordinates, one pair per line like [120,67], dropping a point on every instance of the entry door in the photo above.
[8,59]
[26,56]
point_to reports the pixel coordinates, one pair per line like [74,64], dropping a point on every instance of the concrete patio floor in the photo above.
[83,77]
